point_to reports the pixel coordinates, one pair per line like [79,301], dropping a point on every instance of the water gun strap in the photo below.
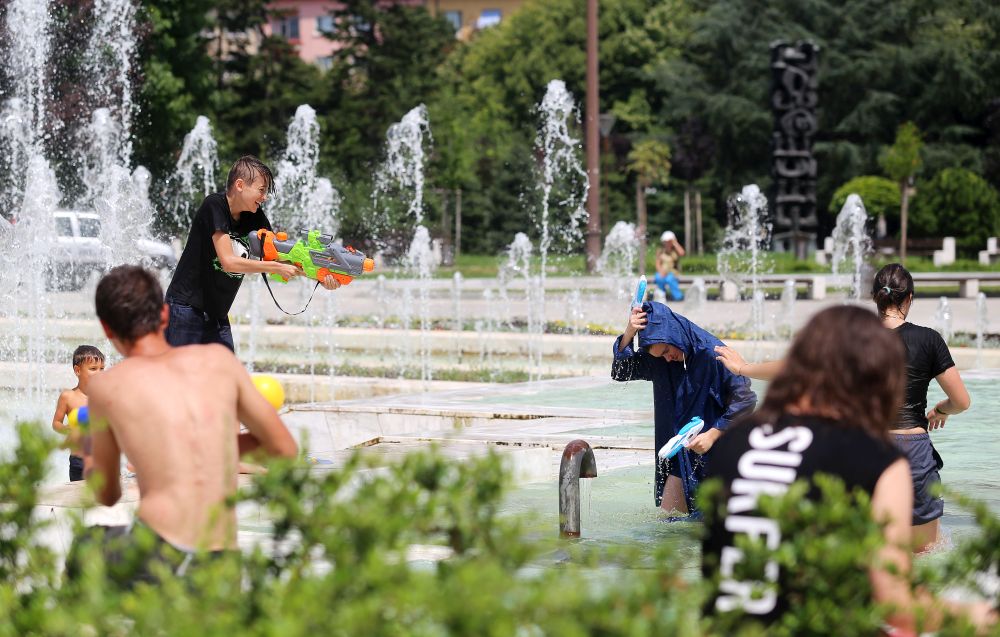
[278,305]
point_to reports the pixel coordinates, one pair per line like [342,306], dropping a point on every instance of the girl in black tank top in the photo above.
[829,411]
[927,358]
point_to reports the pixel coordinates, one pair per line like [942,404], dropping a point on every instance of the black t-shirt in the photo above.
[756,458]
[199,280]
[927,356]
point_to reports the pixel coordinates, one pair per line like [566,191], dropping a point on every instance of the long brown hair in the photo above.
[848,366]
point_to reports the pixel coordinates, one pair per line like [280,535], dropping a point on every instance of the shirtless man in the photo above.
[176,414]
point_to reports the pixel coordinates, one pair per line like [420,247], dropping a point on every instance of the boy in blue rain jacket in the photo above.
[679,358]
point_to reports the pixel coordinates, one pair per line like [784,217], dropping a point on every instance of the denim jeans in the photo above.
[191,326]
[663,282]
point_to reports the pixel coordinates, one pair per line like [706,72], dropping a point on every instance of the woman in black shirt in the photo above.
[927,357]
[835,397]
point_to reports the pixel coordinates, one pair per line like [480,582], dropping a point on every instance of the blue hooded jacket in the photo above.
[698,386]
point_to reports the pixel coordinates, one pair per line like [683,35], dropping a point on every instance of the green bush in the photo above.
[337,564]
[957,203]
[880,195]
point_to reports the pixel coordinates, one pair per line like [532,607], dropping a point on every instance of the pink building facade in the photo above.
[304,23]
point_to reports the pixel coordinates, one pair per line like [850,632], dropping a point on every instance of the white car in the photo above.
[81,252]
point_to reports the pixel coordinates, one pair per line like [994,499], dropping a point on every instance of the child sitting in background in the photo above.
[87,361]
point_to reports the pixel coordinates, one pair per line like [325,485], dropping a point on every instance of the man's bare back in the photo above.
[175,413]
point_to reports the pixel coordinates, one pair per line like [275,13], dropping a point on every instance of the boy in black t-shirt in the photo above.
[213,263]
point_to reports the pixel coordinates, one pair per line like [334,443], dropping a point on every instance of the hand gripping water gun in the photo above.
[318,255]
[640,292]
[682,439]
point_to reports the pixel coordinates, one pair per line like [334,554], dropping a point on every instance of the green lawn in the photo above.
[486,265]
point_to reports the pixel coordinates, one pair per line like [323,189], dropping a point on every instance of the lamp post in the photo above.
[606,122]
[593,244]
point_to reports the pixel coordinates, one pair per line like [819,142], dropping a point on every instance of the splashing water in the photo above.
[403,168]
[420,261]
[618,259]
[193,178]
[575,319]
[788,297]
[456,311]
[517,265]
[563,181]
[942,319]
[400,179]
[696,297]
[28,33]
[743,255]
[108,60]
[302,200]
[850,237]
[982,325]
[30,194]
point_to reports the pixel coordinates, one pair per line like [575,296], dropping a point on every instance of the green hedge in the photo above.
[338,565]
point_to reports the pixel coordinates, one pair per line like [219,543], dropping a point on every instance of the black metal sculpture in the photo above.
[793,100]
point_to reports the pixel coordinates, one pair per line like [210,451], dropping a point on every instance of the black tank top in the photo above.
[927,356]
[756,458]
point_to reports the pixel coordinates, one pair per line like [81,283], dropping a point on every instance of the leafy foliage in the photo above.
[972,205]
[880,195]
[339,560]
[901,161]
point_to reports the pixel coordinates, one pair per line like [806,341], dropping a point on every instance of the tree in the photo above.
[901,161]
[694,150]
[502,74]
[880,195]
[385,64]
[649,159]
[175,81]
[959,203]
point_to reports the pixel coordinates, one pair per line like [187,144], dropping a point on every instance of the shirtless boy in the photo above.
[176,414]
[87,361]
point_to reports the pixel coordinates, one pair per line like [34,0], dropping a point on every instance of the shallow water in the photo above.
[617,507]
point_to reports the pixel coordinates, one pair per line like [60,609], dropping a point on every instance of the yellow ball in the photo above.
[271,389]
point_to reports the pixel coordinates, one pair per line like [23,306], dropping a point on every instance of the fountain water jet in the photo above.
[850,237]
[942,319]
[618,259]
[194,175]
[982,324]
[562,176]
[743,255]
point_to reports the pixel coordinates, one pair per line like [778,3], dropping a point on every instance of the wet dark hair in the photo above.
[891,287]
[249,168]
[87,353]
[129,300]
[849,367]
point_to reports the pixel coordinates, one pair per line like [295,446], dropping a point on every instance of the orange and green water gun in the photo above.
[318,255]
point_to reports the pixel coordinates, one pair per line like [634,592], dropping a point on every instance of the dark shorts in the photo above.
[191,326]
[925,463]
[134,555]
[75,468]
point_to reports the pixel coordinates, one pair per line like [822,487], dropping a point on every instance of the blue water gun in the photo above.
[682,439]
[640,292]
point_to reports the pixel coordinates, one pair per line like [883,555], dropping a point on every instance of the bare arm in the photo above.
[62,408]
[679,248]
[636,321]
[234,264]
[106,457]
[738,365]
[957,400]
[892,504]
[265,431]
